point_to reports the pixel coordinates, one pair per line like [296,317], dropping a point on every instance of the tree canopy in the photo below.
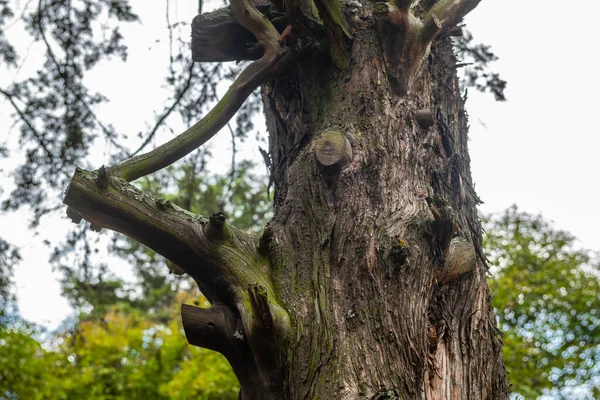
[546,292]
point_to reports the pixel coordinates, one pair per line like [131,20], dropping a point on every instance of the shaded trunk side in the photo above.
[360,248]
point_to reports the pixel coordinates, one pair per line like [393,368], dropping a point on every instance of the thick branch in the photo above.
[223,269]
[117,205]
[450,12]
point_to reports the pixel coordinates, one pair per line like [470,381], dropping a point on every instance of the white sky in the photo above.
[537,150]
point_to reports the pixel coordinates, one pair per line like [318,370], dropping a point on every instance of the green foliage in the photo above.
[8,257]
[547,299]
[122,356]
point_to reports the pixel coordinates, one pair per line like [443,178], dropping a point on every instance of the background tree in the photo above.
[546,293]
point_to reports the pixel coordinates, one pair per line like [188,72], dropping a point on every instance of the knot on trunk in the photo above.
[332,150]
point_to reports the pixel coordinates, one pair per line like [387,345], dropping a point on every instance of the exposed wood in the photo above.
[460,260]
[332,148]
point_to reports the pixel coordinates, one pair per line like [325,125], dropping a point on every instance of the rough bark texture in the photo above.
[358,253]
[369,282]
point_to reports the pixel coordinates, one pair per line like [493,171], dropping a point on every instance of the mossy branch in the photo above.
[223,262]
[273,62]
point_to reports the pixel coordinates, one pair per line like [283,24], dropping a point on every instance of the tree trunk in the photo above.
[362,259]
[370,280]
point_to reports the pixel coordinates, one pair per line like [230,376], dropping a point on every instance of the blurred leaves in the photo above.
[475,60]
[546,293]
[9,256]
[122,356]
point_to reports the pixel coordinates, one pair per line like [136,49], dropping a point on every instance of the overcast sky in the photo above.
[537,150]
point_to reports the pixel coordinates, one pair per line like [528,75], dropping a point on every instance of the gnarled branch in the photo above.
[245,317]
[273,62]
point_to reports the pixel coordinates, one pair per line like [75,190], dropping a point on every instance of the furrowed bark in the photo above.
[380,261]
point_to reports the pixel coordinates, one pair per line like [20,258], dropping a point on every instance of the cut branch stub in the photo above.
[217,228]
[212,328]
[332,149]
[73,215]
[217,37]
[460,260]
[424,118]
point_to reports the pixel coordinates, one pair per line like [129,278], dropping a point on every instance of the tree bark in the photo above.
[370,280]
[380,306]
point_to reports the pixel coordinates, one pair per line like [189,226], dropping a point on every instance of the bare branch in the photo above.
[114,204]
[272,63]
[167,112]
[451,12]
[223,269]
[26,121]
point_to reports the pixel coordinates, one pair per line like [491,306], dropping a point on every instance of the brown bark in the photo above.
[369,282]
[375,308]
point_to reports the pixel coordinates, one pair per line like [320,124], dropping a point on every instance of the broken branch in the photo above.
[211,328]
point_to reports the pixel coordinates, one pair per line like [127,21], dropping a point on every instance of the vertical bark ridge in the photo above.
[356,253]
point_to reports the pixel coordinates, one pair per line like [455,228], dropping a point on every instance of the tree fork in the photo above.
[353,290]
